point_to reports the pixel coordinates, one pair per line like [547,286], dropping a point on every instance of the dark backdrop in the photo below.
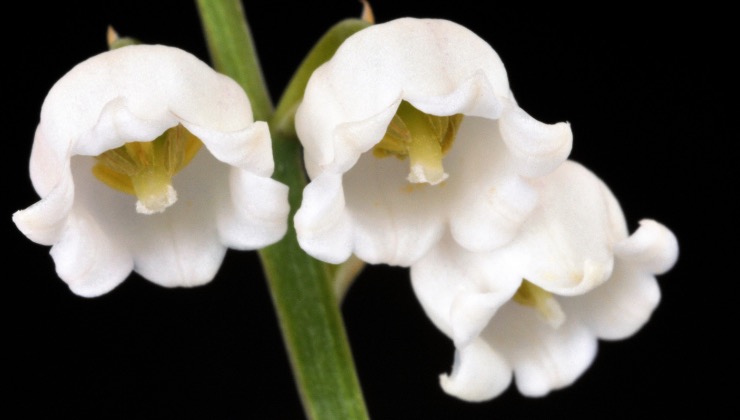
[646,96]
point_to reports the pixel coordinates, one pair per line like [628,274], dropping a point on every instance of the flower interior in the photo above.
[542,301]
[424,138]
[145,168]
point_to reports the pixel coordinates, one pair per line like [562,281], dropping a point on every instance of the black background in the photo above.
[647,96]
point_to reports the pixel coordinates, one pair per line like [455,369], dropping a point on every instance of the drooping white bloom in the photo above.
[537,306]
[388,90]
[183,204]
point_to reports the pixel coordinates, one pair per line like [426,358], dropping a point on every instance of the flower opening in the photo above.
[534,309]
[540,300]
[440,98]
[146,159]
[423,138]
[145,169]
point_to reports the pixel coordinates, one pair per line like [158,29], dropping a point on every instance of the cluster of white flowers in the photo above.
[522,258]
[146,159]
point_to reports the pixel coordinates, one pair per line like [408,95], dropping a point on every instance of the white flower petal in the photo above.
[392,220]
[652,247]
[180,247]
[325,231]
[482,193]
[45,221]
[249,149]
[471,383]
[135,94]
[459,290]
[491,200]
[537,148]
[87,259]
[619,307]
[183,251]
[565,247]
[543,358]
[437,65]
[470,313]
[255,215]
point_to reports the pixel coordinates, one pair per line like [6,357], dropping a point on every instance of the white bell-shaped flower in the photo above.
[536,307]
[146,159]
[410,131]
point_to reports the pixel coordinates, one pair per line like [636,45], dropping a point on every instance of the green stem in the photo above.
[301,287]
[309,313]
[233,52]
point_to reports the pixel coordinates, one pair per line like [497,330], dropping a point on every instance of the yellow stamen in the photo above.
[542,301]
[424,138]
[145,169]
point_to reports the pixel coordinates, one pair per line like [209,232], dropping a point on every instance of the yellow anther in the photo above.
[145,169]
[423,138]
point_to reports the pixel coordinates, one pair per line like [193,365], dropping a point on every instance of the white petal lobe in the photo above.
[176,235]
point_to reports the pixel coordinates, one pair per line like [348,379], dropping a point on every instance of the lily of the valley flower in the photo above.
[146,159]
[410,131]
[536,306]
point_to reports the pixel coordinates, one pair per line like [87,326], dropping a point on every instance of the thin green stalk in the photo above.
[232,49]
[309,313]
[301,287]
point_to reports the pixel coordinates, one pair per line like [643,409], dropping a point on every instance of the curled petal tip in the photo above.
[470,313]
[653,246]
[478,373]
[538,147]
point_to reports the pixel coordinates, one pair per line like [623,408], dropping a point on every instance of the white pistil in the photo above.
[423,138]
